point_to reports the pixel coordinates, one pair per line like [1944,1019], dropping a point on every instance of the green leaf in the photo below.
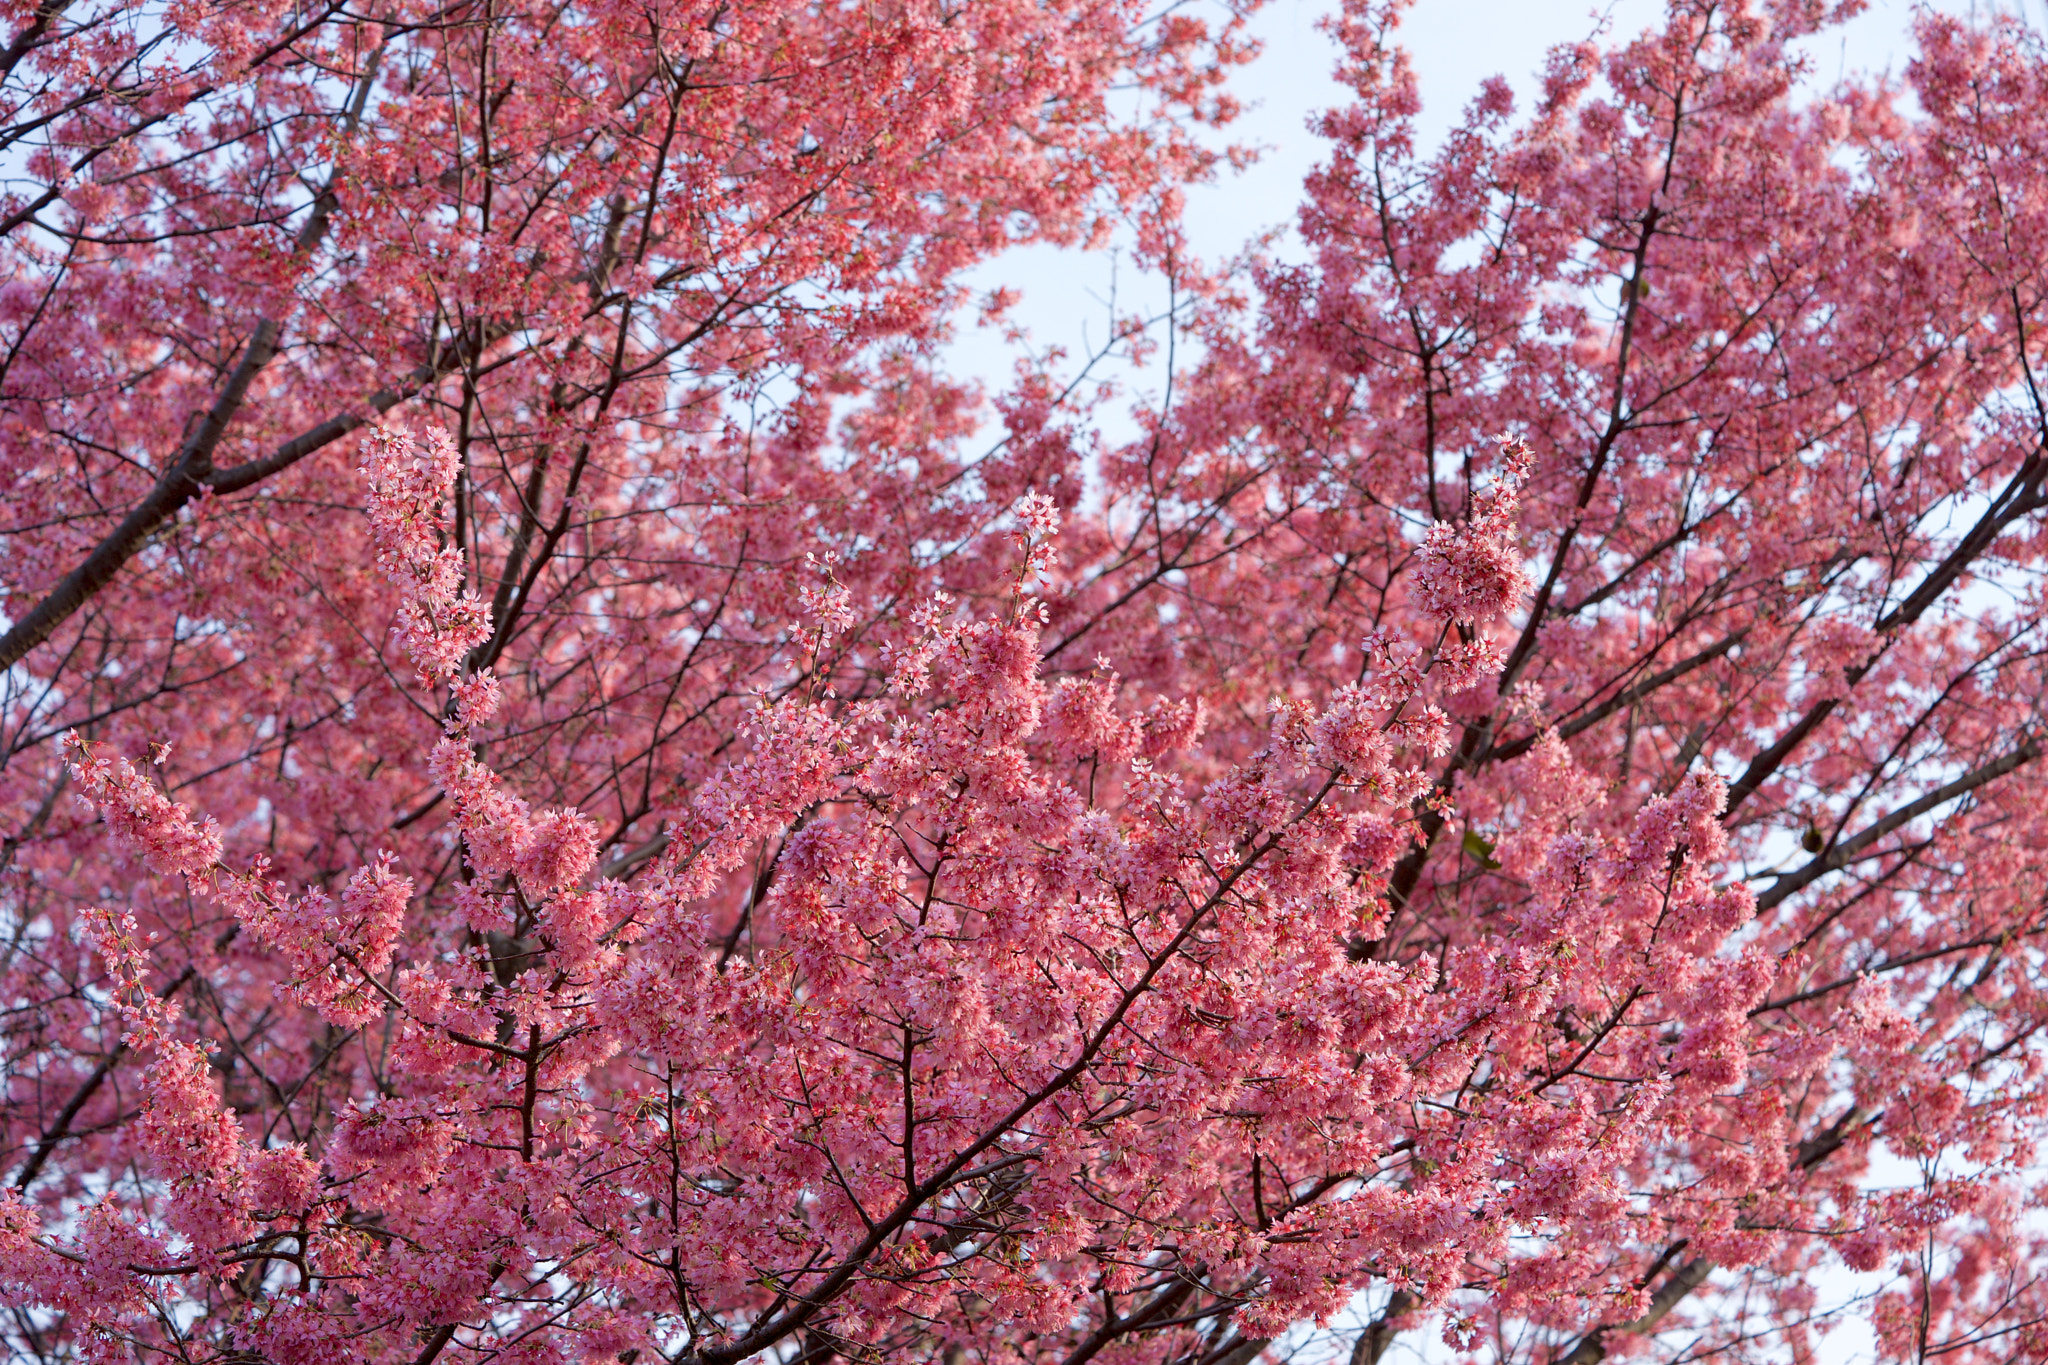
[1481,849]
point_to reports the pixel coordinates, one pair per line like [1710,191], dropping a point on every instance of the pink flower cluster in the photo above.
[439,619]
[1472,571]
[724,863]
[166,835]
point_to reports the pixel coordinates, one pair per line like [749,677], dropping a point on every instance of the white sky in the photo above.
[1454,44]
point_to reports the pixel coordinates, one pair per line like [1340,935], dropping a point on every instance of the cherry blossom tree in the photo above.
[564,799]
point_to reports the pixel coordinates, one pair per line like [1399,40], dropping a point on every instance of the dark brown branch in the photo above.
[54,1135]
[1591,1349]
[1850,850]
[193,473]
[2021,495]
[1375,1339]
